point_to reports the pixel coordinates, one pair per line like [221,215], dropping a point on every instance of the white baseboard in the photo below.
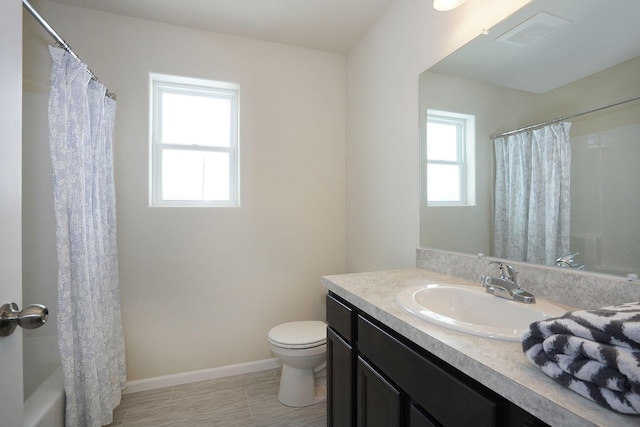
[202,375]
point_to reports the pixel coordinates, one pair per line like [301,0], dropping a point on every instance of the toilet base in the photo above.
[298,387]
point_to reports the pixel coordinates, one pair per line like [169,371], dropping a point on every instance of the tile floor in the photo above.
[248,400]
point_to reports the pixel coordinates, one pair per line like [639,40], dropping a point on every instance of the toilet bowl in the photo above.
[301,347]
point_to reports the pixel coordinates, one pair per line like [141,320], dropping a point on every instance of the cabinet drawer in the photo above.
[449,400]
[341,317]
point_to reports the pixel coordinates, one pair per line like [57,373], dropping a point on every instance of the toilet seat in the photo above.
[299,335]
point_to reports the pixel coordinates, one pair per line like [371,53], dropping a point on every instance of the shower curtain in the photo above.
[531,220]
[89,325]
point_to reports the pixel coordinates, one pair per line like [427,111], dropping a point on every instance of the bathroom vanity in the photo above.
[389,368]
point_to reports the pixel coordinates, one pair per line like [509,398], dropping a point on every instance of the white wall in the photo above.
[200,287]
[383,227]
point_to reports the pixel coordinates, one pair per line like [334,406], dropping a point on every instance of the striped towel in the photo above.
[595,353]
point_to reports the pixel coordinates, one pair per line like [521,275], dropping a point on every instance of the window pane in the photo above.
[442,141]
[216,176]
[196,119]
[195,175]
[443,183]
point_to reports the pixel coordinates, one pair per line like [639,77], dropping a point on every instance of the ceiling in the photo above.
[327,25]
[597,35]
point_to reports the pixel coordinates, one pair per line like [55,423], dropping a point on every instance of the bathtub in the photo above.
[45,406]
[44,402]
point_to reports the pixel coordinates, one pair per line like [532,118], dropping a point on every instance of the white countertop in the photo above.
[499,365]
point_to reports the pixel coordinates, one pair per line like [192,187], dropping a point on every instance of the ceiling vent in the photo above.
[533,29]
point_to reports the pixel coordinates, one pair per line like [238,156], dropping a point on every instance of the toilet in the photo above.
[301,347]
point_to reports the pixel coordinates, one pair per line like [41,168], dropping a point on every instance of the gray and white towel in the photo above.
[595,353]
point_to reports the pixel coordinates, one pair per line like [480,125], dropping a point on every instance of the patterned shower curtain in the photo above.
[89,326]
[532,195]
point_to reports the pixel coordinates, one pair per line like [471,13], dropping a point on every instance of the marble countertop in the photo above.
[499,365]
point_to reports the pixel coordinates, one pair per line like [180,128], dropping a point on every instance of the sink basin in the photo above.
[471,310]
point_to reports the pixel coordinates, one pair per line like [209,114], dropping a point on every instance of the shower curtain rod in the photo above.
[560,119]
[59,40]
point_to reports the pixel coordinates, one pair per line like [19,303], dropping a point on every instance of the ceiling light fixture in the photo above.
[444,5]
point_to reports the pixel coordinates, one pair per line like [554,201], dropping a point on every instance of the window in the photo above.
[194,142]
[450,159]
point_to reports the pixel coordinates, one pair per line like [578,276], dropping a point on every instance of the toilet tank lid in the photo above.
[304,332]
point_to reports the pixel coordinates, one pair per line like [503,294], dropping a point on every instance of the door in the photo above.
[11,385]
[340,399]
[378,401]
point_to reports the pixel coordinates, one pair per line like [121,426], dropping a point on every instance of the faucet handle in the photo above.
[507,271]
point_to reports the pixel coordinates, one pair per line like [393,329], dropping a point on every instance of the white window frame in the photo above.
[162,83]
[465,147]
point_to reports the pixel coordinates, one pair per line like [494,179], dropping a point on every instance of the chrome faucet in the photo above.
[566,261]
[506,286]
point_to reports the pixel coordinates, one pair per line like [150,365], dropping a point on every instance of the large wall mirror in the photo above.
[553,59]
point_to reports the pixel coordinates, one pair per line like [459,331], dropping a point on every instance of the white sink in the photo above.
[471,310]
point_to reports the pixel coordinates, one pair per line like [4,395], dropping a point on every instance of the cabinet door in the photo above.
[340,380]
[520,418]
[378,400]
[450,400]
[418,419]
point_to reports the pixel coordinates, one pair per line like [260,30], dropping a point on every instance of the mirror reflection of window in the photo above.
[449,156]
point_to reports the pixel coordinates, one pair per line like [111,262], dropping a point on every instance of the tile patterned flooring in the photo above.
[248,400]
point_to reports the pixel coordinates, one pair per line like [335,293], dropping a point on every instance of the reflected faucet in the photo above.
[506,286]
[566,261]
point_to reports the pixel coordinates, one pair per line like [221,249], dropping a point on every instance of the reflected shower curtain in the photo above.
[532,195]
[89,325]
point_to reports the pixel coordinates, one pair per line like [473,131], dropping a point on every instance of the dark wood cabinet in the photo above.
[377,378]
[417,418]
[341,364]
[340,394]
[378,401]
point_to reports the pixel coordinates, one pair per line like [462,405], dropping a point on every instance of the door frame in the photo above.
[11,381]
